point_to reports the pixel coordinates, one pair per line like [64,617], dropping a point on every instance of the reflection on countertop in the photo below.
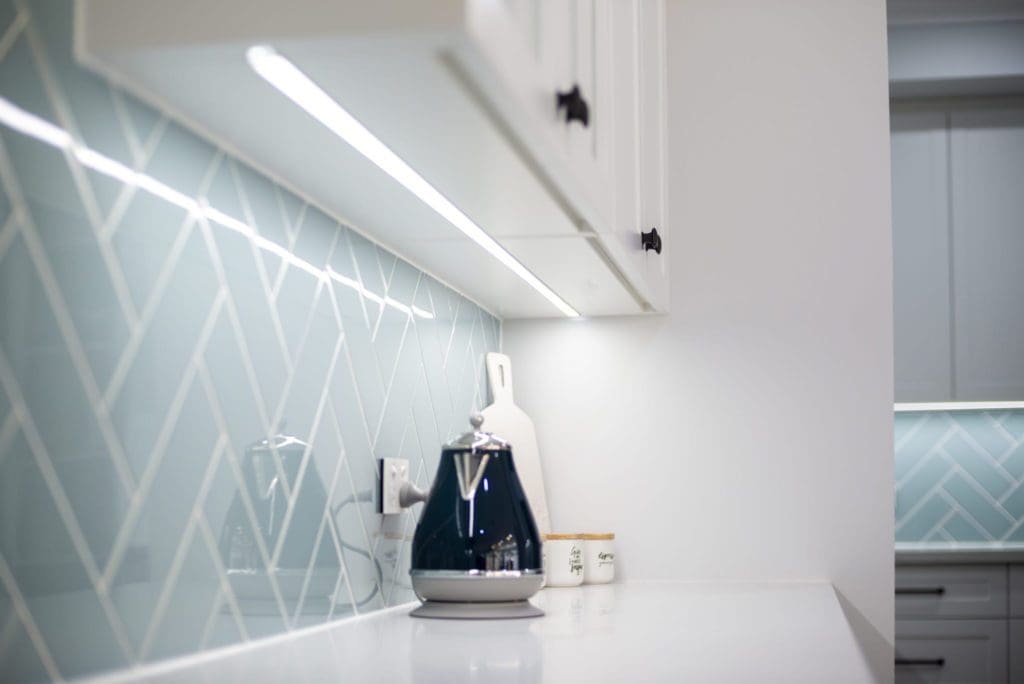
[656,631]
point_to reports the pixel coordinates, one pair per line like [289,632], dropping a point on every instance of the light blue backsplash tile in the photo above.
[960,476]
[146,342]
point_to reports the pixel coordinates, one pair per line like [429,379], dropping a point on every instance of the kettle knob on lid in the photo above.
[476,420]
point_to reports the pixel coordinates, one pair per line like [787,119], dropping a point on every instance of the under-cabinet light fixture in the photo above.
[35,127]
[300,89]
[909,407]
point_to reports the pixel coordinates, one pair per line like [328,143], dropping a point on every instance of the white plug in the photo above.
[396,491]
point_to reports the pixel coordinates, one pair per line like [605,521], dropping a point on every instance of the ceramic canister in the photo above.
[598,558]
[563,560]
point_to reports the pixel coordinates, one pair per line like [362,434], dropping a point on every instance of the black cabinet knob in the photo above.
[575,106]
[651,241]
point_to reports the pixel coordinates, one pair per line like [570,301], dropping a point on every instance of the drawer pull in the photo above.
[651,241]
[928,662]
[575,106]
[920,591]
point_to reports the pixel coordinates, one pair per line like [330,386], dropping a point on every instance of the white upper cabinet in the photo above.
[958,246]
[541,121]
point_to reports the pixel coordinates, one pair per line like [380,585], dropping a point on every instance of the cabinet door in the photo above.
[1017,651]
[639,141]
[951,651]
[1017,591]
[921,256]
[590,147]
[988,201]
[653,145]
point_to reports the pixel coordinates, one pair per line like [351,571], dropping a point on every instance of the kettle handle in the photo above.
[499,377]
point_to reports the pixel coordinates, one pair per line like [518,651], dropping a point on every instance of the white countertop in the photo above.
[911,553]
[613,633]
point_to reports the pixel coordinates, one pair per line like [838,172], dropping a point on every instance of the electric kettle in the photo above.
[476,552]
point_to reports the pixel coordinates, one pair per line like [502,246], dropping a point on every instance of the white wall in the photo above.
[748,434]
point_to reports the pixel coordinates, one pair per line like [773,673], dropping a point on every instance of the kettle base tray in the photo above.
[489,610]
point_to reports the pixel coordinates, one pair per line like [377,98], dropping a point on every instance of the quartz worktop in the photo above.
[924,553]
[658,631]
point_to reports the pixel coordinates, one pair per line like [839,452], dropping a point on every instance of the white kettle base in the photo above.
[490,610]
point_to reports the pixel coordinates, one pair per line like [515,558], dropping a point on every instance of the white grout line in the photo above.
[11,34]
[352,487]
[211,619]
[65,324]
[112,223]
[7,232]
[933,491]
[25,616]
[217,413]
[163,439]
[139,331]
[980,489]
[391,381]
[85,192]
[966,515]
[226,592]
[181,553]
[127,129]
[60,500]
[8,430]
[307,457]
[946,517]
[935,448]
[315,554]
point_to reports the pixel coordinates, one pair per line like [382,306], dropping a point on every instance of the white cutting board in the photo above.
[508,421]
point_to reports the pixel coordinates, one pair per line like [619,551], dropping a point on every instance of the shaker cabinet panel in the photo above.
[988,219]
[921,256]
[1017,591]
[1017,651]
[951,651]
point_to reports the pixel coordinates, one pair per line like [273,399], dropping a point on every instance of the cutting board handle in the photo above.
[499,377]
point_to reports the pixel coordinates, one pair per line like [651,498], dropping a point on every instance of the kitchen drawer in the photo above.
[959,651]
[958,591]
[1017,651]
[1017,591]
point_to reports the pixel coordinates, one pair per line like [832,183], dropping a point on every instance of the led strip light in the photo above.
[301,90]
[31,125]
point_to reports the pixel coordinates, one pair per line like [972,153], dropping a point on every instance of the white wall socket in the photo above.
[394,472]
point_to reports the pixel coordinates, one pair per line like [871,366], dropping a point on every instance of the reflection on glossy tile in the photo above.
[959,476]
[153,339]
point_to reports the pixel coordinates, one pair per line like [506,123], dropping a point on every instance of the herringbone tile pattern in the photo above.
[162,306]
[960,476]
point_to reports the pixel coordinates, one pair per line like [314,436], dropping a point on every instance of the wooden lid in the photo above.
[580,535]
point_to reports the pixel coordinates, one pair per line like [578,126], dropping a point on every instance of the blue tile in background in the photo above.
[151,342]
[960,476]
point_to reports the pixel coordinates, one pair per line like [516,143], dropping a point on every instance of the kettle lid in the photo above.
[478,440]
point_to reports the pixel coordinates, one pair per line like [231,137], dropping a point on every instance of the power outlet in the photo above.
[394,472]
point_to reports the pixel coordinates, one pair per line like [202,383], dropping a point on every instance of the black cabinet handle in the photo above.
[575,106]
[651,241]
[927,662]
[920,591]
